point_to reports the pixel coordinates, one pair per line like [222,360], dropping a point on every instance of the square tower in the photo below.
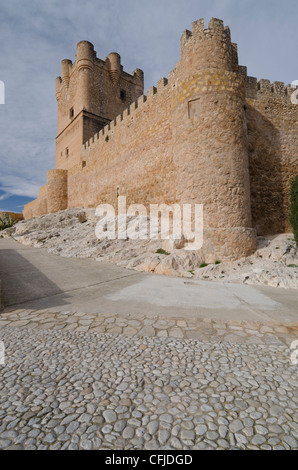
[90,94]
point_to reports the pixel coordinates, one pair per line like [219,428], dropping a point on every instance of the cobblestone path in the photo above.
[75,381]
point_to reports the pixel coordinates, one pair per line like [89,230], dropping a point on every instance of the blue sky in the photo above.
[37,34]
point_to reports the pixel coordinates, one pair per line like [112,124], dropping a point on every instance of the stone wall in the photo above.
[273,153]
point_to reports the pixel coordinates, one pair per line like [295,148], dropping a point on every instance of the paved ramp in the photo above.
[34,279]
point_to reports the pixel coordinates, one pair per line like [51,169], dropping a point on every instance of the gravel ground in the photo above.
[81,390]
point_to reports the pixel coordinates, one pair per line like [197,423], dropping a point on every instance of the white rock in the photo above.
[71,233]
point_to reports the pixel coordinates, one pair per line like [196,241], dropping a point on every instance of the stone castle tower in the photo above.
[90,93]
[208,134]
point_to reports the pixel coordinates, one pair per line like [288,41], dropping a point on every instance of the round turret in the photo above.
[84,61]
[114,62]
[56,190]
[85,54]
[65,71]
[209,48]
[211,135]
[58,87]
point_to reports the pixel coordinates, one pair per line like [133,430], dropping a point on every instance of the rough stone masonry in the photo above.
[208,134]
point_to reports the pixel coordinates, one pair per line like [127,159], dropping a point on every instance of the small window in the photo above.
[122,95]
[66,152]
[84,164]
[71,113]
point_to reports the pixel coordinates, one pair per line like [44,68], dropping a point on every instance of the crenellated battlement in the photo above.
[90,93]
[198,34]
[256,89]
[86,58]
[128,113]
[215,28]
[211,47]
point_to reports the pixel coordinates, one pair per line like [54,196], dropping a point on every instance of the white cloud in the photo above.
[4,196]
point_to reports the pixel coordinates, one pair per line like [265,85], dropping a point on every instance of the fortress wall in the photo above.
[91,125]
[56,190]
[70,139]
[37,207]
[133,153]
[42,200]
[273,153]
[29,209]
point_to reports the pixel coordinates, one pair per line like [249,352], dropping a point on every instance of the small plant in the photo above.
[294,208]
[160,251]
[292,265]
[191,272]
[217,262]
[203,265]
[6,221]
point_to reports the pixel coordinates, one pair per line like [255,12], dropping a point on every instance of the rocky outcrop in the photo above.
[71,233]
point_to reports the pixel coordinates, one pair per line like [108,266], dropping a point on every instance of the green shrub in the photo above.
[160,251]
[6,221]
[294,208]
[203,265]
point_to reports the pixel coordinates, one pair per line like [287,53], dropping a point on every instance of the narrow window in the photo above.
[66,152]
[122,95]
[71,113]
[83,164]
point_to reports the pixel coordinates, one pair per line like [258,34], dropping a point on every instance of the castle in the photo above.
[208,134]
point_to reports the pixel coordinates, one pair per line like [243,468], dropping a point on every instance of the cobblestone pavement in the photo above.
[75,381]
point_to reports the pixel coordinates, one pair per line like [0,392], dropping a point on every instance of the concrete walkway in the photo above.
[34,279]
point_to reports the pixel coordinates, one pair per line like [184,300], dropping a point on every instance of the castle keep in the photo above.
[208,134]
